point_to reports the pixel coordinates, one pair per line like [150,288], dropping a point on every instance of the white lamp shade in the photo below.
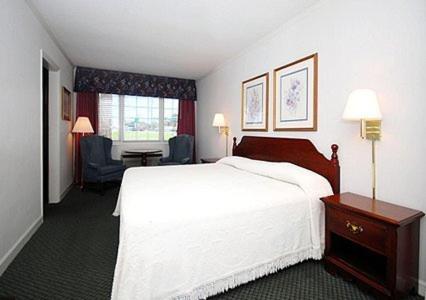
[219,120]
[83,126]
[362,105]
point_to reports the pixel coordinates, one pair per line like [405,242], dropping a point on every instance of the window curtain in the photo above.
[86,106]
[186,119]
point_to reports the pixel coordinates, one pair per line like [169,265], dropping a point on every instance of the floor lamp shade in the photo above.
[83,125]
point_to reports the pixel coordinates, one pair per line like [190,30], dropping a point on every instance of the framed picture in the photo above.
[66,104]
[254,103]
[295,95]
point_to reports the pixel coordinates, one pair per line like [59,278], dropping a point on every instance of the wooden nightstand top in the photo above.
[380,210]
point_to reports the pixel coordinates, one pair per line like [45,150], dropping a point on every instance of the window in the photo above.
[134,118]
[109,116]
[141,118]
[171,108]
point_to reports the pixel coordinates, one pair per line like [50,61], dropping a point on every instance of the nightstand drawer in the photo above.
[357,228]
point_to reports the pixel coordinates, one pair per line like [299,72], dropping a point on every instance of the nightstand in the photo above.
[374,243]
[208,160]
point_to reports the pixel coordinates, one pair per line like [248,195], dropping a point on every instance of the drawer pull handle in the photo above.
[354,228]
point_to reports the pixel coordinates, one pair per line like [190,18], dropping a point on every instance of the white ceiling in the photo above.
[181,38]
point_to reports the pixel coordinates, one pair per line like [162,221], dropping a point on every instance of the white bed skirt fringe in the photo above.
[224,284]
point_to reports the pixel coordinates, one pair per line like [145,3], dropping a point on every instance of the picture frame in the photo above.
[254,103]
[66,104]
[296,95]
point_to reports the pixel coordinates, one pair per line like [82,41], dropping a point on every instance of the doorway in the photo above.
[45,134]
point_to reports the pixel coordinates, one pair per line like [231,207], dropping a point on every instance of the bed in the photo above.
[190,232]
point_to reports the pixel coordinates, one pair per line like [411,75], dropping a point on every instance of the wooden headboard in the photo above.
[300,152]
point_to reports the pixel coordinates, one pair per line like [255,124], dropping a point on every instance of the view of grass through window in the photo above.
[134,118]
[141,118]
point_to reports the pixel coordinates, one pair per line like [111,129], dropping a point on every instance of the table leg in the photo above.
[144,160]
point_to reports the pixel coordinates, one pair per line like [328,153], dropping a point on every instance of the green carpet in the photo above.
[72,256]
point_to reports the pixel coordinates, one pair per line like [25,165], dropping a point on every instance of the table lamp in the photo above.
[362,106]
[219,121]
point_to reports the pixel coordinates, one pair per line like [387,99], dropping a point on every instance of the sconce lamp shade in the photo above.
[219,120]
[83,126]
[362,105]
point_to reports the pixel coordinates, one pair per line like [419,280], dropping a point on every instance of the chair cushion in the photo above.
[97,150]
[110,169]
[183,148]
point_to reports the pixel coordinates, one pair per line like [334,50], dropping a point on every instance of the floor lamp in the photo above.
[219,121]
[362,106]
[82,126]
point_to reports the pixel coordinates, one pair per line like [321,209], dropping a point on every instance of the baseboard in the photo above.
[20,243]
[422,288]
[66,191]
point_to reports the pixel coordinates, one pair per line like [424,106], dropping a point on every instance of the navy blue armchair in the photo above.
[181,150]
[98,166]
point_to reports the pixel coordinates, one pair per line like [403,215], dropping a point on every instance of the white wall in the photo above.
[376,44]
[22,38]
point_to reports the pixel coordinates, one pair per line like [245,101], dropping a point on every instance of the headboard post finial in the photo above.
[234,144]
[334,156]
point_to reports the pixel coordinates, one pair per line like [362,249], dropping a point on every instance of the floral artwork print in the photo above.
[254,104]
[294,96]
[66,104]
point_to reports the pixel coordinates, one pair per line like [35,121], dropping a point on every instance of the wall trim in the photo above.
[422,288]
[20,243]
[67,190]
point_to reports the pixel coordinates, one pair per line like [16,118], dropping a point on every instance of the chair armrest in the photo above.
[116,162]
[185,160]
[165,159]
[93,166]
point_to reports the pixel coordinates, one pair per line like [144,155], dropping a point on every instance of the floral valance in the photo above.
[125,83]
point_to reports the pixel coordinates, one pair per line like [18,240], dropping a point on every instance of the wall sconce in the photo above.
[362,106]
[219,121]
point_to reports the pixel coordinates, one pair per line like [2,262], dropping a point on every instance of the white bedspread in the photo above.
[189,232]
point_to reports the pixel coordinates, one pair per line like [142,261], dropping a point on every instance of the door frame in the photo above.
[45,135]
[53,72]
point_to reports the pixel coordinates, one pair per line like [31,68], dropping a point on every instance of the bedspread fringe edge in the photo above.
[224,284]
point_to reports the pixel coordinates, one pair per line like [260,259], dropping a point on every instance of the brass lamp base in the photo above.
[370,130]
[225,130]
